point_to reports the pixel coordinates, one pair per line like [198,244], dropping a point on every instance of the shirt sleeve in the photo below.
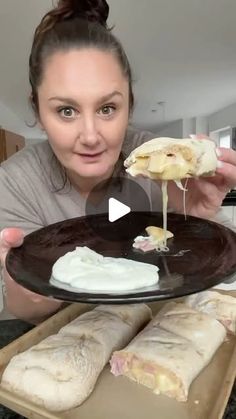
[18,206]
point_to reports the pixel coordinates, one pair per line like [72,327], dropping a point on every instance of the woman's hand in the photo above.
[205,195]
[13,237]
[21,302]
[10,237]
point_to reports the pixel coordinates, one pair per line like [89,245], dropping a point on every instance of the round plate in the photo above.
[201,255]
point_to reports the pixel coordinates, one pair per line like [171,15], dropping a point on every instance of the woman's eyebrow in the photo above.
[74,103]
[110,96]
[66,100]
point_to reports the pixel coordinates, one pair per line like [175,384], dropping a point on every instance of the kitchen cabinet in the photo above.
[10,143]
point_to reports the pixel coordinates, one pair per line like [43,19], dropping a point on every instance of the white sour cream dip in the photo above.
[86,269]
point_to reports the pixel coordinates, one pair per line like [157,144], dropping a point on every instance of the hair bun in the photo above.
[91,10]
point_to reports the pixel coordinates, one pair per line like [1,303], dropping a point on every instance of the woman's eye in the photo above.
[107,110]
[67,112]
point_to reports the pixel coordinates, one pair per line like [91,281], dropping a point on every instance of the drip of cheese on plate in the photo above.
[156,239]
[158,234]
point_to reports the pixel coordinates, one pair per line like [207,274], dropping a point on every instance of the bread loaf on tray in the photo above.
[171,351]
[61,371]
[219,306]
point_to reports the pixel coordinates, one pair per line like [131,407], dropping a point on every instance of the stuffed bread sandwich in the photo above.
[65,366]
[173,159]
[171,351]
[219,306]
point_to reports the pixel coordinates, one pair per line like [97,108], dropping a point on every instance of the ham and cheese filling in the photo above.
[173,162]
[147,373]
[171,351]
[173,158]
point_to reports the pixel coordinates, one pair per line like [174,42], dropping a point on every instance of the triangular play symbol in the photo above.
[116,209]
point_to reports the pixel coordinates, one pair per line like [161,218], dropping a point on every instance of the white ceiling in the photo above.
[182,52]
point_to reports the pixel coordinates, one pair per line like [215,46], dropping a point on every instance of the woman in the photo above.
[82,97]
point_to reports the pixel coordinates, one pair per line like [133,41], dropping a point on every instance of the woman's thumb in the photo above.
[10,237]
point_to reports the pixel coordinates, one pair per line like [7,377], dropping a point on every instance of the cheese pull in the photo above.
[171,351]
[173,159]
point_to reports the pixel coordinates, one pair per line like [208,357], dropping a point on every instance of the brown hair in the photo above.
[74,24]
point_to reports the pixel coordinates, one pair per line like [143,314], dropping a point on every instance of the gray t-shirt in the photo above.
[31,193]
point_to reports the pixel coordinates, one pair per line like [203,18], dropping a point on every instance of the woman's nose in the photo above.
[89,134]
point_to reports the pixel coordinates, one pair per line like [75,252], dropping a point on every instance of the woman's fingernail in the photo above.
[219,164]
[2,234]
[218,152]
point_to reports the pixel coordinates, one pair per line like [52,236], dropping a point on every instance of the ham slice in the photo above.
[143,243]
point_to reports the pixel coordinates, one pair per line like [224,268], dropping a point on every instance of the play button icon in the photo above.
[110,207]
[116,209]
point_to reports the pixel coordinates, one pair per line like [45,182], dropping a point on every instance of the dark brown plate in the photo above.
[201,255]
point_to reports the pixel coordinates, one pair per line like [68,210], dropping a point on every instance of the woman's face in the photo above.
[84,109]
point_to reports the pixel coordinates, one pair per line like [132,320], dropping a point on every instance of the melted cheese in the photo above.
[154,240]
[171,163]
[158,234]
[184,198]
[164,208]
[158,380]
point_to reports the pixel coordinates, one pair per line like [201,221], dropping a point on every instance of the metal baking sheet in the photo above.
[118,397]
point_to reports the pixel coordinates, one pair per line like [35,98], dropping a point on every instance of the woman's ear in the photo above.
[41,127]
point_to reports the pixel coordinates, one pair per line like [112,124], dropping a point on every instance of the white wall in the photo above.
[223,118]
[196,125]
[189,127]
[182,128]
[11,122]
[8,120]
[174,129]
[202,125]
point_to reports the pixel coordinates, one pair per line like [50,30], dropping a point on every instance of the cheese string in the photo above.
[164,184]
[184,198]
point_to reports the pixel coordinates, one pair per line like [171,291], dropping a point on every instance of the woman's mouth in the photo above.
[90,156]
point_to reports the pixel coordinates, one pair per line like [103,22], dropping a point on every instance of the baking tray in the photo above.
[118,397]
